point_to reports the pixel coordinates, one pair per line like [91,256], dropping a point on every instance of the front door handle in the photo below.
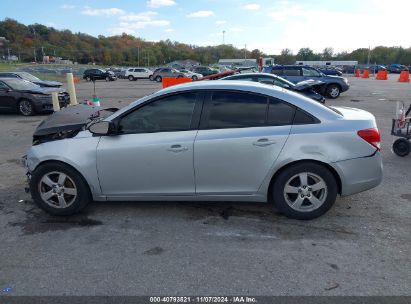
[263,142]
[177,148]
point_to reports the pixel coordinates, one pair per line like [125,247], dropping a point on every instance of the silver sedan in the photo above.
[207,141]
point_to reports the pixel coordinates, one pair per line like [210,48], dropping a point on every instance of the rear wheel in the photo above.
[333,91]
[88,78]
[131,78]
[59,189]
[158,79]
[194,78]
[401,147]
[304,191]
[107,78]
[150,77]
[25,107]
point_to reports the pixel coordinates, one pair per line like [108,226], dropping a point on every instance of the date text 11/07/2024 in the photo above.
[222,299]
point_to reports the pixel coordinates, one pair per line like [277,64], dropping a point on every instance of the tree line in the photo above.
[34,41]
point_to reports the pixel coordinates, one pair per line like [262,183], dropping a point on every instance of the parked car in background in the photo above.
[331,71]
[116,71]
[166,72]
[307,88]
[99,74]
[192,75]
[205,71]
[397,68]
[335,85]
[138,73]
[31,78]
[228,141]
[27,98]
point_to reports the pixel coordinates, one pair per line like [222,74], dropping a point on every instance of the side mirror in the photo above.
[102,128]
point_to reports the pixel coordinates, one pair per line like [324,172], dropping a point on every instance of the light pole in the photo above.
[223,37]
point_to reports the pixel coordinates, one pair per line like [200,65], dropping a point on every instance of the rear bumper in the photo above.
[360,174]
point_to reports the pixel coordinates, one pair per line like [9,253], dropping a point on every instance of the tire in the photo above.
[401,147]
[158,78]
[108,79]
[333,91]
[194,78]
[25,107]
[40,189]
[180,76]
[307,203]
[150,77]
[88,78]
[131,78]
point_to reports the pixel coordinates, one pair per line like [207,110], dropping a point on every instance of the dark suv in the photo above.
[297,73]
[99,74]
[205,71]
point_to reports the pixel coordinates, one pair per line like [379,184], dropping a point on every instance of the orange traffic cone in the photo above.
[382,75]
[404,76]
[357,73]
[366,74]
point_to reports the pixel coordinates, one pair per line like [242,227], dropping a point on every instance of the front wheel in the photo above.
[333,91]
[59,189]
[150,77]
[25,107]
[401,147]
[88,78]
[131,78]
[108,79]
[304,191]
[194,78]
[158,79]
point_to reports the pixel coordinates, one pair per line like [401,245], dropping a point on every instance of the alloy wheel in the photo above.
[305,192]
[25,107]
[57,189]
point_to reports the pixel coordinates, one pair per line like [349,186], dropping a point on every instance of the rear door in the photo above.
[293,74]
[310,73]
[241,135]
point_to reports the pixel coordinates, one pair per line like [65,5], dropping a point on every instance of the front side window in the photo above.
[310,72]
[3,86]
[236,110]
[171,113]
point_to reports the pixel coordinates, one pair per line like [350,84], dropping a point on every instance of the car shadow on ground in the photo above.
[247,219]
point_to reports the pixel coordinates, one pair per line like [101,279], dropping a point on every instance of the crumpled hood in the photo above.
[46,83]
[71,118]
[303,85]
[43,90]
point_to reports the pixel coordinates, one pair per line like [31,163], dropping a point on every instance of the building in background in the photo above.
[323,63]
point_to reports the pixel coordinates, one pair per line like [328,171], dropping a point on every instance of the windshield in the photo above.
[28,76]
[19,84]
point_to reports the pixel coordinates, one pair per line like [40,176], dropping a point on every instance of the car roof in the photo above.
[297,99]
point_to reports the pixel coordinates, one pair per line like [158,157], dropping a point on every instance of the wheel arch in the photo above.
[329,167]
[51,161]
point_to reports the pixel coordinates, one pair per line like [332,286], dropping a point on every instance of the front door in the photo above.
[240,138]
[153,153]
[7,100]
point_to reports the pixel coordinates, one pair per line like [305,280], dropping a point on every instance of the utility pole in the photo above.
[369,55]
[8,52]
[224,37]
[34,52]
[138,55]
[245,52]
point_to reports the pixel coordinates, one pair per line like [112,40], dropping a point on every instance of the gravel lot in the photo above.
[361,247]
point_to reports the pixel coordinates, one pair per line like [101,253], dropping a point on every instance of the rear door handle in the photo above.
[263,142]
[177,148]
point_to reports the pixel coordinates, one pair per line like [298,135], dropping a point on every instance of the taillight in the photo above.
[371,136]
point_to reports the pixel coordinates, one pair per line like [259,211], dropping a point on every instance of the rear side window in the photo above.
[292,71]
[303,118]
[277,71]
[280,113]
[236,110]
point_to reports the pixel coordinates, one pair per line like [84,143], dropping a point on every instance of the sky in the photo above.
[269,25]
